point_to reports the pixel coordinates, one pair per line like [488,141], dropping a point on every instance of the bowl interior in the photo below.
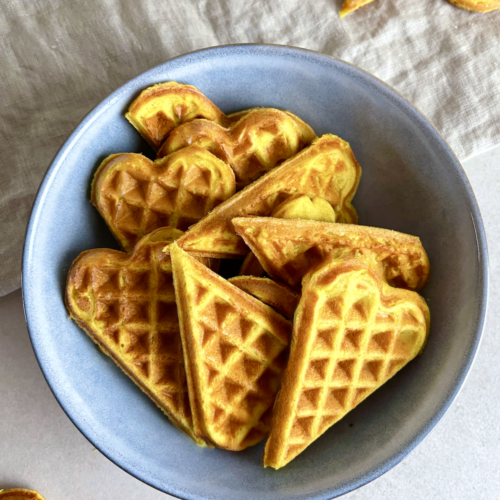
[411,182]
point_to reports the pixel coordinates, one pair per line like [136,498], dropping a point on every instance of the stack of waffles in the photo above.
[322,313]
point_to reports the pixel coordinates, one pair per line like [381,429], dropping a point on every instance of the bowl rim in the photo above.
[267,48]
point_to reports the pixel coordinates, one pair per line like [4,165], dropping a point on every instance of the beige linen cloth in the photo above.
[60,58]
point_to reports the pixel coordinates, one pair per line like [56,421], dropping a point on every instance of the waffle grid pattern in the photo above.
[135,201]
[252,145]
[349,358]
[241,367]
[288,249]
[130,307]
[327,168]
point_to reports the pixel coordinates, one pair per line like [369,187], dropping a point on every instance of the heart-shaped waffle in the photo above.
[136,196]
[234,352]
[326,168]
[162,107]
[352,332]
[253,145]
[126,304]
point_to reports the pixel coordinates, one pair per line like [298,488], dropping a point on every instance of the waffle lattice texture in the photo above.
[252,145]
[234,349]
[126,304]
[352,332]
[327,168]
[162,107]
[136,196]
[287,249]
[276,295]
[20,494]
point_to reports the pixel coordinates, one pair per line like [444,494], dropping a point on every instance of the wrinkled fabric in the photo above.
[60,58]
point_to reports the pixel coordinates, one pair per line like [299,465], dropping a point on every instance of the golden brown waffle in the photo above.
[253,145]
[477,5]
[162,107]
[276,295]
[136,196]
[352,332]
[351,5]
[251,266]
[20,494]
[287,249]
[299,206]
[126,304]
[234,352]
[327,168]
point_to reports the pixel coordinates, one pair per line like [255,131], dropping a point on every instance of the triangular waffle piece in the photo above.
[253,145]
[299,206]
[352,332]
[20,494]
[126,304]
[162,107]
[287,249]
[276,295]
[327,168]
[351,5]
[136,196]
[234,351]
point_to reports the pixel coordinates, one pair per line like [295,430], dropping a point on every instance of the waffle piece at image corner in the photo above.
[352,332]
[126,304]
[254,144]
[477,5]
[327,168]
[351,5]
[287,249]
[234,351]
[20,494]
[136,196]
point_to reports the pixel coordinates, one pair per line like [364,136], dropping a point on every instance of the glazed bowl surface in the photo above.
[411,182]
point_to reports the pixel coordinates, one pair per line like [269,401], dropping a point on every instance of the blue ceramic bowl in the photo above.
[411,182]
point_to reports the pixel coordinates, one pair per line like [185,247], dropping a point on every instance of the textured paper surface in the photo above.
[58,59]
